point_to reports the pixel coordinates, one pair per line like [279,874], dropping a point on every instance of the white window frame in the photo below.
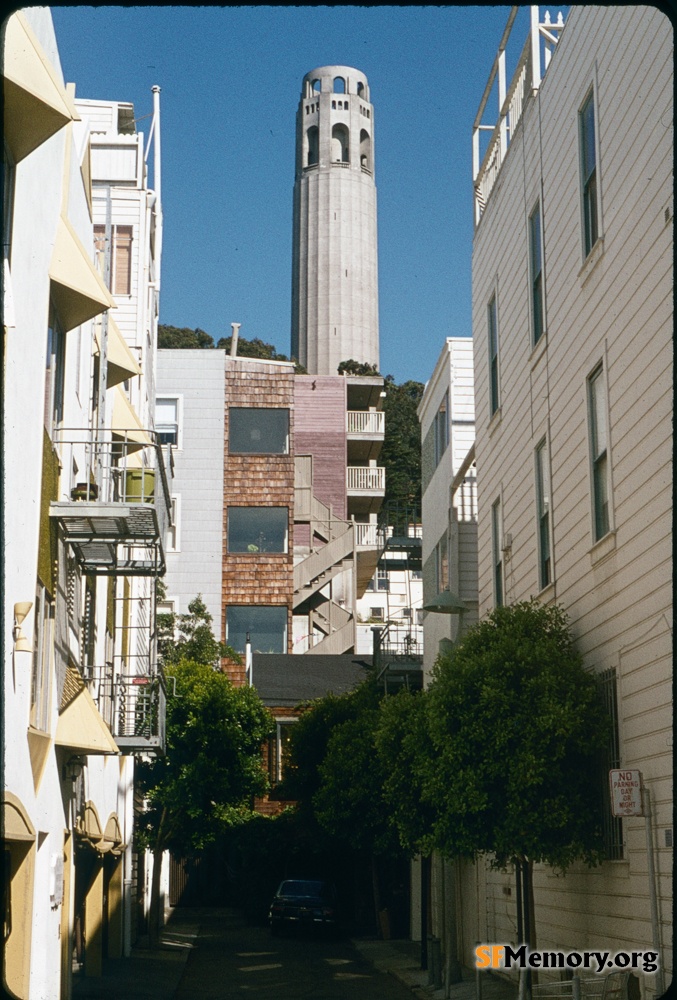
[535,277]
[590,94]
[441,425]
[178,398]
[497,553]
[543,482]
[494,355]
[599,455]
[174,529]
[277,770]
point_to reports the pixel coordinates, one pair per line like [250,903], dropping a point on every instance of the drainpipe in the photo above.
[157,182]
[235,327]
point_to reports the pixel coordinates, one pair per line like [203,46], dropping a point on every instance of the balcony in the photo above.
[365,485]
[115,502]
[365,430]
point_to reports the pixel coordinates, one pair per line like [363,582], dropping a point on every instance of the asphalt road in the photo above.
[232,959]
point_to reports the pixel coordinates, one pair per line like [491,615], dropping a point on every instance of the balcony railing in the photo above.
[366,478]
[365,421]
[115,509]
[525,81]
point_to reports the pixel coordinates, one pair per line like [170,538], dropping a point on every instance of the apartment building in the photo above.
[83,526]
[572,326]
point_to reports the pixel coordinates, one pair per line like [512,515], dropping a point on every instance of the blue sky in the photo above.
[231,80]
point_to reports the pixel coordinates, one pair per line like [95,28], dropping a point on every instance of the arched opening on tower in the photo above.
[365,150]
[340,144]
[360,89]
[317,86]
[312,146]
[339,85]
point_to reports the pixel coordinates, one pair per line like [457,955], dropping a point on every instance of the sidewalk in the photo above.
[402,959]
[146,974]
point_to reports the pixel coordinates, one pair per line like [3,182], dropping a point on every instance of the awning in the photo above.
[125,423]
[77,288]
[80,726]
[121,362]
[36,104]
[16,824]
[112,836]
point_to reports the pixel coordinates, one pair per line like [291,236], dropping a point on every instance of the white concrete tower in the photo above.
[334,269]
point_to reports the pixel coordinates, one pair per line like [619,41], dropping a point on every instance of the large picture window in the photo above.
[257,529]
[258,430]
[265,625]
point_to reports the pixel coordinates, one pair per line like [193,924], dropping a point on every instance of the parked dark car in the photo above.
[304,903]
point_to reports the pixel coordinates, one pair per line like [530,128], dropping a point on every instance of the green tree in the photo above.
[212,765]
[190,637]
[516,724]
[174,337]
[401,452]
[352,367]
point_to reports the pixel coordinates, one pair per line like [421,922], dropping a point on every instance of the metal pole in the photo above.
[653,898]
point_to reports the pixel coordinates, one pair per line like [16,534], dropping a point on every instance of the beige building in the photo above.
[573,325]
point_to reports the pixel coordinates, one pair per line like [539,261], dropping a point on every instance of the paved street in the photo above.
[230,959]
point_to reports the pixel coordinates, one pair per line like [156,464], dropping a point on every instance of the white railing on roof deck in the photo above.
[365,421]
[511,100]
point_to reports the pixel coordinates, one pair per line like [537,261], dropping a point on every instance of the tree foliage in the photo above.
[212,765]
[184,338]
[352,367]
[190,637]
[515,723]
[401,452]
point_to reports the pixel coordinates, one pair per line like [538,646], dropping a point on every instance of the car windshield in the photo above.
[302,888]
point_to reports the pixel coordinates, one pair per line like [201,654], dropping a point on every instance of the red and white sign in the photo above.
[626,793]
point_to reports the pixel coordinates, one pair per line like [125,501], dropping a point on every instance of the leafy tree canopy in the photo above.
[401,451]
[213,762]
[190,637]
[515,724]
[352,367]
[184,338]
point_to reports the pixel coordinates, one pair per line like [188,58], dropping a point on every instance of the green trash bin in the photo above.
[140,485]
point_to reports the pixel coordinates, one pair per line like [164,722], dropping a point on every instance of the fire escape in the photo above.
[113,515]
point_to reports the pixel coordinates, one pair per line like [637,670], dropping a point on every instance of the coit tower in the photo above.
[334,268]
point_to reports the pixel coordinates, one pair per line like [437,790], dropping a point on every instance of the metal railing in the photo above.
[365,421]
[366,478]
[140,711]
[526,80]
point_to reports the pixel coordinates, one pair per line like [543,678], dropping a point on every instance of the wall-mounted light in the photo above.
[72,769]
[21,643]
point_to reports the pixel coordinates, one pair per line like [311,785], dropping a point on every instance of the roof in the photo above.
[284,680]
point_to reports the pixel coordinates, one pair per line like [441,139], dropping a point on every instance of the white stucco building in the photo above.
[82,535]
[573,326]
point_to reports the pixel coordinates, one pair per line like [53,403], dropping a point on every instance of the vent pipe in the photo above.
[235,327]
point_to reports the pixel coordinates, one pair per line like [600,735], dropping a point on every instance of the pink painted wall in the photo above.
[320,431]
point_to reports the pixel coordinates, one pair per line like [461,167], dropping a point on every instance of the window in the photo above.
[598,445]
[492,322]
[313,145]
[377,614]
[382,578]
[55,372]
[258,430]
[120,282]
[442,428]
[340,144]
[497,552]
[265,625]
[543,514]
[167,420]
[278,752]
[442,564]
[536,272]
[43,647]
[257,529]
[173,541]
[588,152]
[406,613]
[612,826]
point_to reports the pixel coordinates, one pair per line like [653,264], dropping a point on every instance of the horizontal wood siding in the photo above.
[320,431]
[618,594]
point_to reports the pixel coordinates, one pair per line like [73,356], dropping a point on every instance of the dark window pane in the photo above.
[257,430]
[267,628]
[257,529]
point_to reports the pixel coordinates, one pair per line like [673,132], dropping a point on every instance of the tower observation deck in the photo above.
[334,267]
